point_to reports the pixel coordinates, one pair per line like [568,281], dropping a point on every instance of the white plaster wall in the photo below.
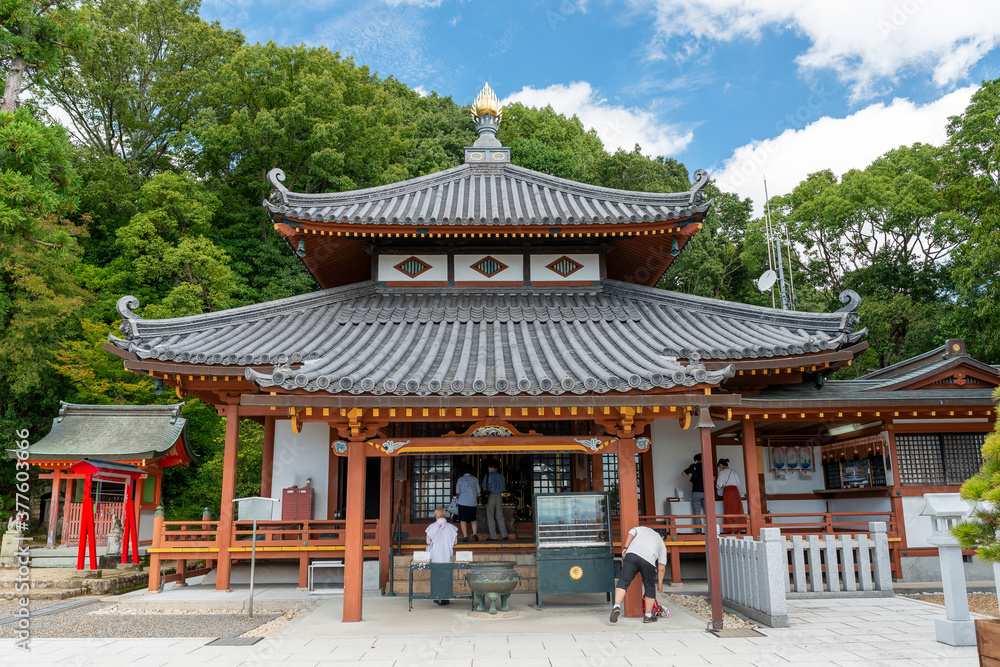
[438,271]
[298,456]
[918,528]
[591,268]
[465,272]
[146,525]
[794,481]
[673,450]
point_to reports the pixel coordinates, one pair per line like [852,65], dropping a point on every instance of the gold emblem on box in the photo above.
[475,156]
[576,573]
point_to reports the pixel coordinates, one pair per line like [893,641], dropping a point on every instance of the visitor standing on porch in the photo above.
[467,490]
[441,538]
[494,484]
[697,488]
[643,553]
[728,486]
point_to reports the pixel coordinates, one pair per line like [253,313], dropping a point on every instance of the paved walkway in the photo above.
[889,631]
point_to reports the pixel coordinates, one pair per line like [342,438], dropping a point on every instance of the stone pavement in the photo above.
[887,631]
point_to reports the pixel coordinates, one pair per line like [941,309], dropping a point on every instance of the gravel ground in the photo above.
[699,605]
[979,603]
[10,607]
[84,622]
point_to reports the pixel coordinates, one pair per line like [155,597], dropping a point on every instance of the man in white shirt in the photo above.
[643,553]
[441,539]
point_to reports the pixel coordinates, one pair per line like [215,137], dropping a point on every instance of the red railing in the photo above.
[811,523]
[103,517]
[181,535]
[685,526]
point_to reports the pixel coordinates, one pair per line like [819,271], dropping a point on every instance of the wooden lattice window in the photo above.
[551,473]
[489,266]
[565,266]
[610,465]
[935,459]
[430,486]
[412,266]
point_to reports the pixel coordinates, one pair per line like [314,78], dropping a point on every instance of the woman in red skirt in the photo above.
[728,485]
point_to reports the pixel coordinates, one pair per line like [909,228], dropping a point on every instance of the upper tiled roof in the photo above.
[112,432]
[471,194]
[373,339]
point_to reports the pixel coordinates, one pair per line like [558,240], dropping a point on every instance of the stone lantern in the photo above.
[946,511]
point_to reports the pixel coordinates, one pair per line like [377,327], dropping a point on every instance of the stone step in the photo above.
[48,594]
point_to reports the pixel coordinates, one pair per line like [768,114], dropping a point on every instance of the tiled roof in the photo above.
[487,195]
[372,339]
[112,432]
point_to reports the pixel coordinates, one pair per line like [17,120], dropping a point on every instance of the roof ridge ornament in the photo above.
[697,191]
[487,114]
[851,301]
[276,177]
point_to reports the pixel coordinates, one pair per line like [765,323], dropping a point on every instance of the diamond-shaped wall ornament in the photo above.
[489,266]
[412,267]
[565,266]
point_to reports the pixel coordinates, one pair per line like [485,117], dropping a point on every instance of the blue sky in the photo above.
[744,88]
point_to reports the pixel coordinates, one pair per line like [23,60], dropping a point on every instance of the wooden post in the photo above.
[267,464]
[753,477]
[705,425]
[386,517]
[898,526]
[226,511]
[154,558]
[88,539]
[628,514]
[354,553]
[70,491]
[648,491]
[140,491]
[597,472]
[50,540]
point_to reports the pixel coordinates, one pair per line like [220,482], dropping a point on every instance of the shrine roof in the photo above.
[113,433]
[492,195]
[374,339]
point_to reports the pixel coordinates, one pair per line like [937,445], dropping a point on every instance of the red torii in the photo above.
[106,471]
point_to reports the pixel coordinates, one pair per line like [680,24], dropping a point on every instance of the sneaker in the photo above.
[648,619]
[615,613]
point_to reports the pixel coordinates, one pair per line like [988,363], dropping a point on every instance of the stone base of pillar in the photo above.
[955,633]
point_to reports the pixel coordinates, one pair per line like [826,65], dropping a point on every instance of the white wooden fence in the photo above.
[755,573]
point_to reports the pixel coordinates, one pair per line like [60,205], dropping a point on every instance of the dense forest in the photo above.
[134,139]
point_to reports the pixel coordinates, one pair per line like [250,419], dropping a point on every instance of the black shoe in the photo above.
[616,611]
[648,619]
[465,539]
[442,603]
[475,537]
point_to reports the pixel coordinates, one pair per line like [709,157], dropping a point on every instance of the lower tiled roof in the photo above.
[372,339]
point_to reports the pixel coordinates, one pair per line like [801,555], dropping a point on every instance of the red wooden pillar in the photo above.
[898,527]
[705,425]
[386,516]
[140,492]
[753,477]
[267,464]
[50,540]
[130,536]
[68,497]
[88,538]
[597,472]
[628,514]
[226,511]
[354,553]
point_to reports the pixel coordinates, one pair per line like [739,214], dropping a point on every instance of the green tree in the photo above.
[972,174]
[146,77]
[981,531]
[35,38]
[551,143]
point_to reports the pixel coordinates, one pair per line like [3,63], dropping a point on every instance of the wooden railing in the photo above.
[682,526]
[103,517]
[301,533]
[201,535]
[828,523]
[687,526]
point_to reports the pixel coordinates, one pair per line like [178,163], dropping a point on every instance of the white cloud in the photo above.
[868,43]
[838,144]
[617,126]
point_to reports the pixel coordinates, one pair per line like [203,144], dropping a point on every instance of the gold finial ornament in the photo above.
[486,103]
